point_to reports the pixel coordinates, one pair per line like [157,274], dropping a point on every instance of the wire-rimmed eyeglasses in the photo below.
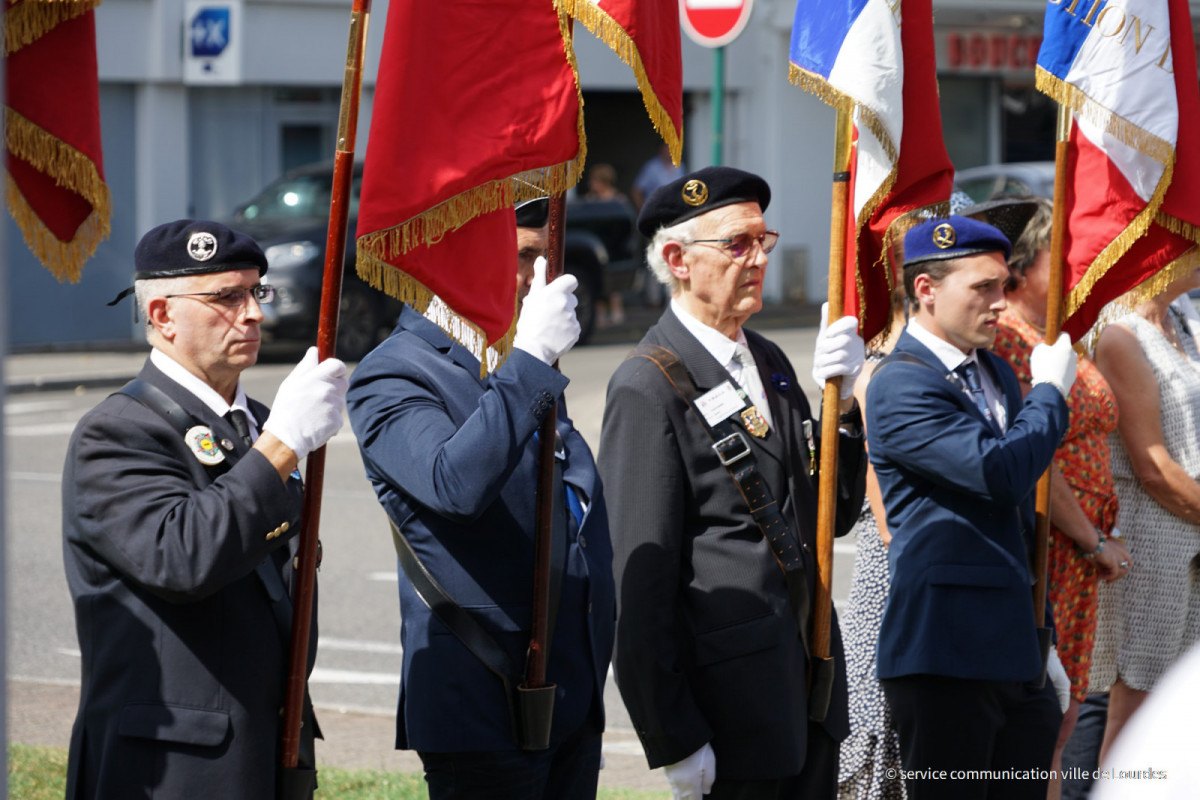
[741,244]
[234,296]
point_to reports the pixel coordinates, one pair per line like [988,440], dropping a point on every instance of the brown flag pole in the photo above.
[1054,303]
[331,296]
[535,675]
[827,483]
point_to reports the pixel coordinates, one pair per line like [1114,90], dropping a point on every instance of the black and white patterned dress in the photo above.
[872,749]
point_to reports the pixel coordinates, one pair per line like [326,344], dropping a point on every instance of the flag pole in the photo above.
[827,483]
[331,295]
[1054,303]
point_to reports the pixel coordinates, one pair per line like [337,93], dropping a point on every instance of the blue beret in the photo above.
[699,193]
[950,237]
[195,247]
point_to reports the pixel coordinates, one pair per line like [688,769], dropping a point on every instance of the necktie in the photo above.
[751,382]
[237,418]
[970,373]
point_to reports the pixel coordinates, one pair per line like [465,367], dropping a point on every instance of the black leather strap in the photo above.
[159,402]
[733,450]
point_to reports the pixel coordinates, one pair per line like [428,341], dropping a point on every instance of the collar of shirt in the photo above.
[719,346]
[202,391]
[953,358]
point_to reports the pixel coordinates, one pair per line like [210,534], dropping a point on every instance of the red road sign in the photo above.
[714,23]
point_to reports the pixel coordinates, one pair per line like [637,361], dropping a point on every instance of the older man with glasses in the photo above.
[709,454]
[181,510]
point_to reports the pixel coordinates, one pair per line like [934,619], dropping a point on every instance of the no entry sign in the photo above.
[714,23]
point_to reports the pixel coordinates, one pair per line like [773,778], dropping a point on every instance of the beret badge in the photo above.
[944,236]
[695,193]
[202,246]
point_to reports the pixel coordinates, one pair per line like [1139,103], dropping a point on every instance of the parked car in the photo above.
[1019,177]
[289,218]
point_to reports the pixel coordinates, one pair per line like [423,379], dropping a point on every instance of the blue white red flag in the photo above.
[874,58]
[1128,74]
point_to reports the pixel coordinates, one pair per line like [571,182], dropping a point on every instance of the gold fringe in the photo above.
[71,170]
[398,284]
[609,31]
[1110,255]
[1113,123]
[27,22]
[1177,226]
[1148,289]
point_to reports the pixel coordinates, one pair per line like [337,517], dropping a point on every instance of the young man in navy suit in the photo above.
[453,458]
[958,454]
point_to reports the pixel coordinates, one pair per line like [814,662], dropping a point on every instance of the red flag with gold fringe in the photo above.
[477,106]
[645,35]
[54,184]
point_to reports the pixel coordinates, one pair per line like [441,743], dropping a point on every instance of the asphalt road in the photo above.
[358,663]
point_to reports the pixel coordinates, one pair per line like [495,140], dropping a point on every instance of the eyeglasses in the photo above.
[235,296]
[740,245]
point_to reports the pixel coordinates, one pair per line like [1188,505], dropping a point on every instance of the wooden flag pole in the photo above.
[535,675]
[331,297]
[827,484]
[1054,303]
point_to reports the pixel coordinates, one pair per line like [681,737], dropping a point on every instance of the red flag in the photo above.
[1133,185]
[876,57]
[645,35]
[55,183]
[476,106]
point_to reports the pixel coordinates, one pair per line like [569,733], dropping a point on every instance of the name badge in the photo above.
[720,403]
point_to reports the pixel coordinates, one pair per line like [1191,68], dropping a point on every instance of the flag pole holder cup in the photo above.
[535,709]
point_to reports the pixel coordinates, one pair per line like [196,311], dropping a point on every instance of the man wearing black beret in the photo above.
[181,515]
[957,452]
[708,454]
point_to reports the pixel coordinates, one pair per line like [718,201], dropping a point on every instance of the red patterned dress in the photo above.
[1083,458]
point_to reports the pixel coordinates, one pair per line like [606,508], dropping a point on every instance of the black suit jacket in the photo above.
[184,657]
[708,648]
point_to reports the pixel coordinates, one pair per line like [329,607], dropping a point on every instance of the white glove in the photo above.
[547,326]
[693,777]
[1054,364]
[1058,676]
[308,407]
[839,351]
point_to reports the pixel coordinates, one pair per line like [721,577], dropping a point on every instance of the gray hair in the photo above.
[683,232]
[148,289]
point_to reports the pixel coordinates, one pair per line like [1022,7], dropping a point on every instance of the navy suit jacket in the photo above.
[184,653]
[959,502]
[453,460]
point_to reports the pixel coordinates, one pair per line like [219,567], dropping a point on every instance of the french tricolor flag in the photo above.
[875,58]
[1128,74]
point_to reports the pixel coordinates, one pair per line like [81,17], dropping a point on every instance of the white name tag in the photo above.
[719,403]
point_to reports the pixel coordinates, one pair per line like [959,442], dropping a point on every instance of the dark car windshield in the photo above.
[293,198]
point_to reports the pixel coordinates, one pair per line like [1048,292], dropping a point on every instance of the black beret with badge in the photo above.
[193,247]
[942,239]
[698,193]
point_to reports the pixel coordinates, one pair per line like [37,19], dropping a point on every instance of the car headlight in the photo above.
[289,254]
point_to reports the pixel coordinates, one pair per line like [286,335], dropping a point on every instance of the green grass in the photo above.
[39,773]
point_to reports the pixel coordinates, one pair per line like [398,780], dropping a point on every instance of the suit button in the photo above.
[284,527]
[296,563]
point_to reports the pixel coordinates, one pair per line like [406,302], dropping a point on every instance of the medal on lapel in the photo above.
[755,422]
[200,441]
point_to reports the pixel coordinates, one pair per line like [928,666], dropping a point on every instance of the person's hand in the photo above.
[839,351]
[1054,364]
[547,326]
[1058,676]
[693,777]
[308,407]
[1113,561]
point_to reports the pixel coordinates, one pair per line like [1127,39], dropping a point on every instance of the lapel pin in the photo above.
[200,441]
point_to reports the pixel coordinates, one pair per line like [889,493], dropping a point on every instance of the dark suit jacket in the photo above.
[708,648]
[959,504]
[184,663]
[453,460]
